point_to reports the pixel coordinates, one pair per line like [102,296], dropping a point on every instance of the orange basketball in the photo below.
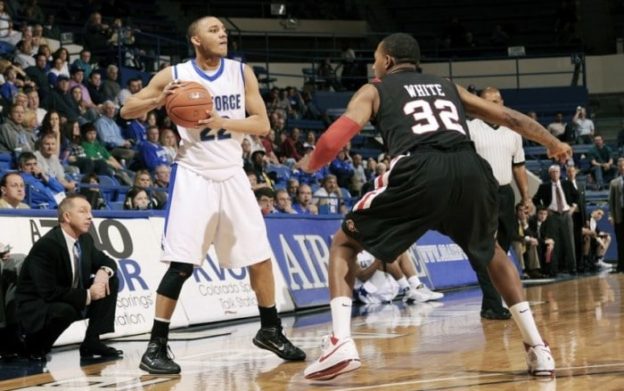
[188,104]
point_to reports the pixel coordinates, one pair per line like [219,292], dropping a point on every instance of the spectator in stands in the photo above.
[51,124]
[50,28]
[38,38]
[253,180]
[283,202]
[11,84]
[327,72]
[359,176]
[33,104]
[595,241]
[169,142]
[616,212]
[162,175]
[110,86]
[94,150]
[23,54]
[265,197]
[84,62]
[328,198]
[583,125]
[560,197]
[136,130]
[151,152]
[110,133]
[304,203]
[77,80]
[7,33]
[14,137]
[97,35]
[63,54]
[90,189]
[296,102]
[525,244]
[292,147]
[49,163]
[602,162]
[56,70]
[31,12]
[541,226]
[342,168]
[87,112]
[74,154]
[137,199]
[43,191]
[143,180]
[39,75]
[455,34]
[12,191]
[60,99]
[133,86]
[246,146]
[94,85]
[259,167]
[311,109]
[558,127]
[499,36]
[292,184]
[270,147]
[579,218]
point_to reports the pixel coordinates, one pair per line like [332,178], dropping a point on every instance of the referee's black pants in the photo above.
[507,227]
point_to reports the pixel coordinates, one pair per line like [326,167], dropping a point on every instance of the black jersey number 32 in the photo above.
[427,116]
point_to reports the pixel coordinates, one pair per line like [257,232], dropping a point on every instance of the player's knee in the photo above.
[173,280]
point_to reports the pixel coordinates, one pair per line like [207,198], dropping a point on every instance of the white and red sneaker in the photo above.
[338,356]
[540,360]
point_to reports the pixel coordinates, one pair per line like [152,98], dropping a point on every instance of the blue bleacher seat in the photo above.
[109,187]
[116,205]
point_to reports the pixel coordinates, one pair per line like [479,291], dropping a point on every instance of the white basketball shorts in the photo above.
[202,212]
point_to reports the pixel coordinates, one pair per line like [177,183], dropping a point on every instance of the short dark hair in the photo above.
[264,191]
[5,177]
[403,47]
[26,156]
[87,127]
[192,28]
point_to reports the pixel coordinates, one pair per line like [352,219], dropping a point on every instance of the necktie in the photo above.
[521,235]
[76,283]
[559,199]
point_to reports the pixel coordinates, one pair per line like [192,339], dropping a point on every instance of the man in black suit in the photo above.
[579,217]
[55,287]
[560,197]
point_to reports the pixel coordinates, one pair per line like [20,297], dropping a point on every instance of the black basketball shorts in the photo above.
[453,192]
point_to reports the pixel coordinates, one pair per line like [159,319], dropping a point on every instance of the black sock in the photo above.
[268,317]
[160,329]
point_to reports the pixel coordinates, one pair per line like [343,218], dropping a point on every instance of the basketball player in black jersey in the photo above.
[436,181]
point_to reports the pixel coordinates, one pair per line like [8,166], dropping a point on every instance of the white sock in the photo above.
[341,316]
[403,283]
[523,317]
[414,281]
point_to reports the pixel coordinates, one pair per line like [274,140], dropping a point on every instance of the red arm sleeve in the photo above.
[332,141]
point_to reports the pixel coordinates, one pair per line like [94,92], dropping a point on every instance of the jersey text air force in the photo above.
[419,110]
[214,153]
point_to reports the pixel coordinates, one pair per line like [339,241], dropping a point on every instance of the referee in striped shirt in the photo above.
[502,148]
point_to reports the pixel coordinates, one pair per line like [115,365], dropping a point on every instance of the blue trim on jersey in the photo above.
[175,72]
[203,74]
[243,73]
[174,169]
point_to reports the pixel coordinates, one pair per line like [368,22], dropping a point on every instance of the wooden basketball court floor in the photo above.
[431,346]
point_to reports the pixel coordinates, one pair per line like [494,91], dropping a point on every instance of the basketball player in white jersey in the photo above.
[210,198]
